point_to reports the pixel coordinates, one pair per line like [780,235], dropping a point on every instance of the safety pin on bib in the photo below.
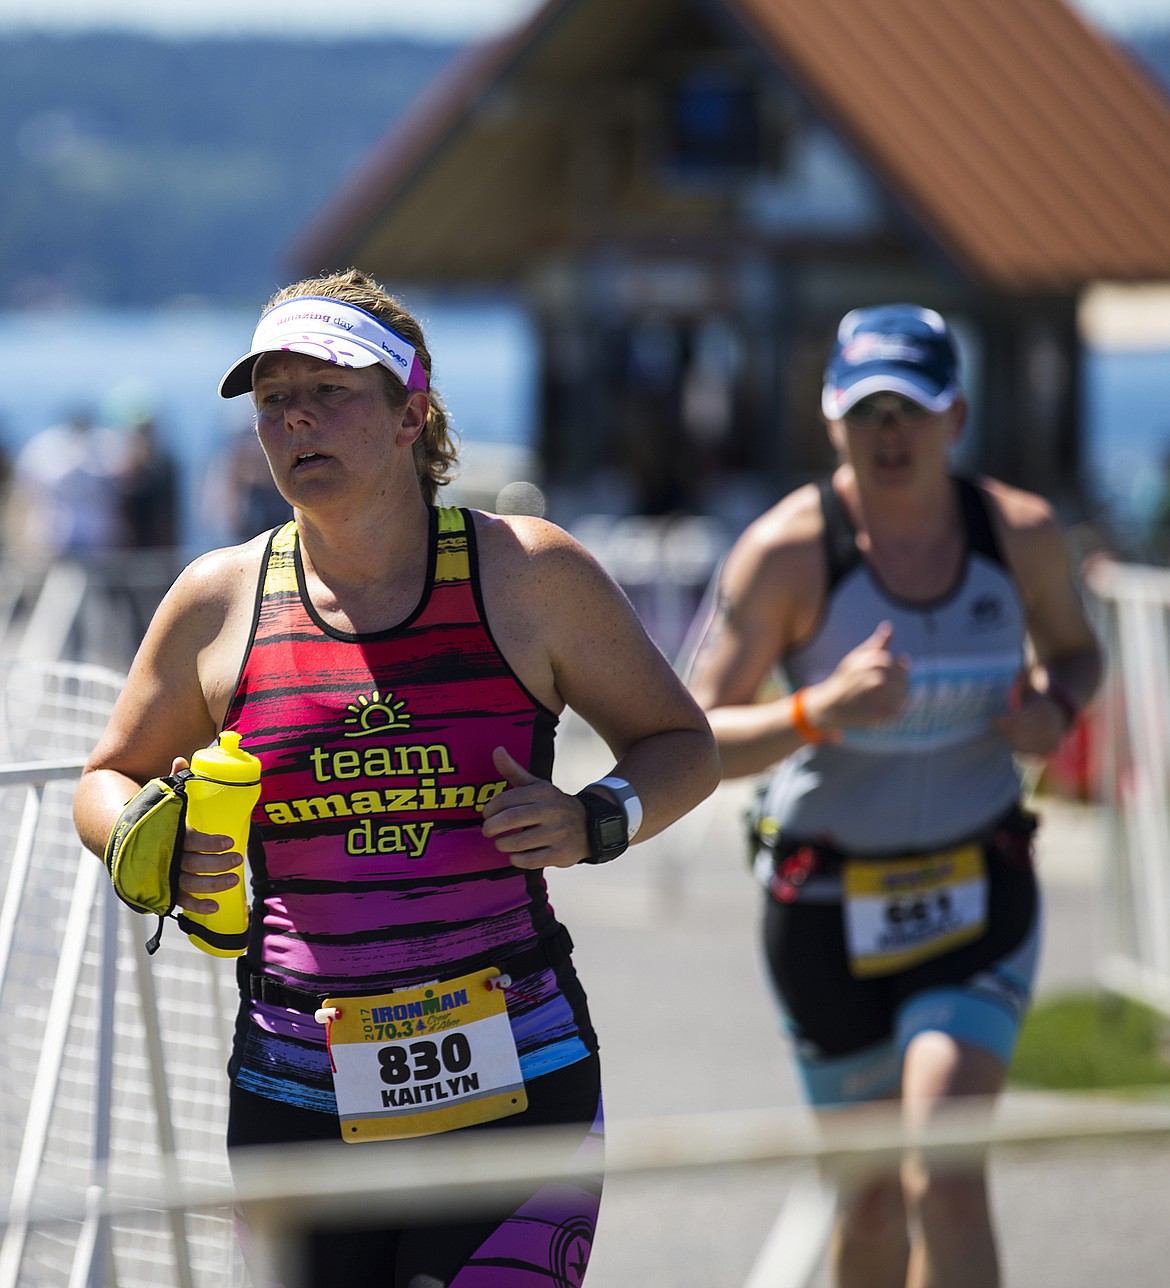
[326,1015]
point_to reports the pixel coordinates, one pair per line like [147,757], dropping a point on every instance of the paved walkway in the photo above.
[667,949]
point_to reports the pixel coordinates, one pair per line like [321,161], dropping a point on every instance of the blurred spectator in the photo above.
[149,489]
[1153,493]
[65,500]
[250,502]
[6,466]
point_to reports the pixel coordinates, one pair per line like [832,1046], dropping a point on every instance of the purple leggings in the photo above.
[542,1243]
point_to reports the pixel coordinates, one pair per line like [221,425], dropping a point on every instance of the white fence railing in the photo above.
[93,610]
[1131,736]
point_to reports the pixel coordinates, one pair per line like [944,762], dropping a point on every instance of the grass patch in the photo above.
[1090,1042]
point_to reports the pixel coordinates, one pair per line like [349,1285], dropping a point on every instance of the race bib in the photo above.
[900,912]
[423,1060]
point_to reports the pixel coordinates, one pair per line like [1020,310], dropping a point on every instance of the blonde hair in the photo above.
[436,448]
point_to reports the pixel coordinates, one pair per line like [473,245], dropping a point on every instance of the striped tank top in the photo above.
[369,869]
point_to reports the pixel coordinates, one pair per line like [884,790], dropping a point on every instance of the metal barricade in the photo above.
[111,1128]
[1132,728]
[113,1066]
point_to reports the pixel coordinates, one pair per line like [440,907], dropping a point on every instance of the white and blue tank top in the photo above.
[939,773]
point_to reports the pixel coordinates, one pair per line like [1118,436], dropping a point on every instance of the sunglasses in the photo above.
[873,411]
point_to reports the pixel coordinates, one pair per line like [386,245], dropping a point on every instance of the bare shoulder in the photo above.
[1016,510]
[1029,527]
[212,586]
[1040,557]
[569,632]
[521,532]
[197,637]
[186,665]
[770,595]
[777,563]
[213,572]
[533,558]
[787,530]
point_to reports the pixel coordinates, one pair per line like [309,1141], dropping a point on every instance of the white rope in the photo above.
[287,1183]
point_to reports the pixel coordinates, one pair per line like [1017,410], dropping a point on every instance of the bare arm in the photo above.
[173,702]
[1067,654]
[748,632]
[575,640]
[771,594]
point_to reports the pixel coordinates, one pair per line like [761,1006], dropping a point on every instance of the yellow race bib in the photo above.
[900,912]
[423,1060]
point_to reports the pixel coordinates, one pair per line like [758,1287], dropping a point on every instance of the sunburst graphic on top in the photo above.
[373,713]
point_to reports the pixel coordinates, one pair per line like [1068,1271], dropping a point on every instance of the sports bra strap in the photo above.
[981,538]
[840,537]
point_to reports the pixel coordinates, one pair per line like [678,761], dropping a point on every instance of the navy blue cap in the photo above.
[892,348]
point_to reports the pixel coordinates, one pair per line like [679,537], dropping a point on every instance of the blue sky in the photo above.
[434,19]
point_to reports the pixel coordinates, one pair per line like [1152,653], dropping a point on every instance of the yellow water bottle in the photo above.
[221,793]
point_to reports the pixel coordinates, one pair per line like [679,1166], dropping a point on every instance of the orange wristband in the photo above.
[800,721]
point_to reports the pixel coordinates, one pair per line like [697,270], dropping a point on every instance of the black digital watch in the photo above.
[605,824]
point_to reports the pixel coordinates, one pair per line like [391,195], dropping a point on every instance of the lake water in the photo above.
[1127,415]
[484,364]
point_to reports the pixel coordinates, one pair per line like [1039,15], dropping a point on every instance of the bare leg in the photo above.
[870,1245]
[953,1242]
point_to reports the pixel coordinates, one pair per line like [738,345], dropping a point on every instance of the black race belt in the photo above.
[550,952]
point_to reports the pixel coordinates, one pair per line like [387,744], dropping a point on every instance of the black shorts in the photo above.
[548,1235]
[831,1011]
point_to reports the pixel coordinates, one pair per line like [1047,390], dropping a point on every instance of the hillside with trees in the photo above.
[140,170]
[137,170]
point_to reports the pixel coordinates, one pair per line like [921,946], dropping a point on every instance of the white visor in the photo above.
[332,331]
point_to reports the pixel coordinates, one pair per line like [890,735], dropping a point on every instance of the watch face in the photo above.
[607,828]
[611,831]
